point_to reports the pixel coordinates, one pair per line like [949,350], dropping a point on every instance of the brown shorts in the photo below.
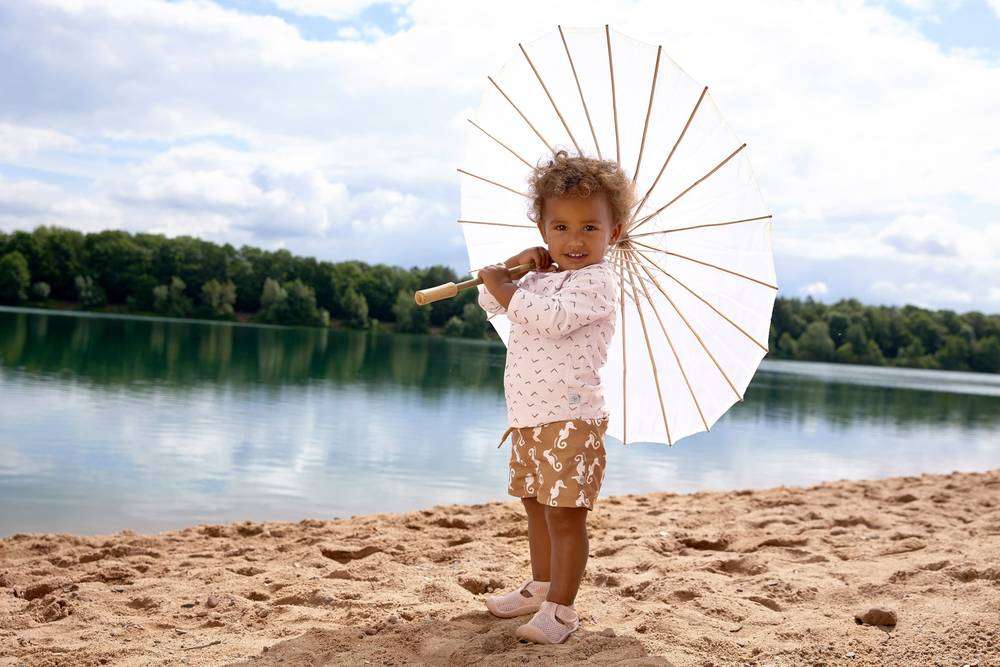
[561,464]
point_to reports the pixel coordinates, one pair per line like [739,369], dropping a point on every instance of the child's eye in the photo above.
[560,228]
[590,228]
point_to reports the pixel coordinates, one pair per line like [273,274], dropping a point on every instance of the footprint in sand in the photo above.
[710,543]
[479,585]
[313,598]
[144,603]
[343,554]
[684,595]
[745,565]
[851,521]
[51,608]
[765,602]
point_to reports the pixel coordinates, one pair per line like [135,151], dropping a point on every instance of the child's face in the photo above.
[578,231]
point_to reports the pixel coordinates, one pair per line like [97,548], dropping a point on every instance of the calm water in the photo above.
[111,422]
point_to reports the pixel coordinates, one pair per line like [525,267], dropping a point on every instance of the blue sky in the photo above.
[334,128]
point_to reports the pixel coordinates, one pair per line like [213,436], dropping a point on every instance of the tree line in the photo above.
[184,276]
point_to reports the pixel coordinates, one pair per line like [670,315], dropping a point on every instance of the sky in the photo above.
[334,128]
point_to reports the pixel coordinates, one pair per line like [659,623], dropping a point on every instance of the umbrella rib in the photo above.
[499,185]
[551,101]
[690,328]
[711,224]
[498,224]
[704,301]
[649,350]
[674,148]
[686,190]
[672,349]
[698,261]
[649,110]
[521,114]
[621,271]
[614,99]
[579,89]
[511,150]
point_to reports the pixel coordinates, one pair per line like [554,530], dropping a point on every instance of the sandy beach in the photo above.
[770,577]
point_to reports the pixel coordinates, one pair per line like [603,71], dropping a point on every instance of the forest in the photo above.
[151,274]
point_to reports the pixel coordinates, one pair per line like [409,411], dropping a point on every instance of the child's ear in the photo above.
[616,232]
[541,230]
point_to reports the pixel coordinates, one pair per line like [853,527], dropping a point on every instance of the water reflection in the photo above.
[113,422]
[109,351]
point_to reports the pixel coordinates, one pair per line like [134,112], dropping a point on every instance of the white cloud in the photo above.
[818,288]
[26,204]
[18,141]
[336,10]
[924,294]
[871,143]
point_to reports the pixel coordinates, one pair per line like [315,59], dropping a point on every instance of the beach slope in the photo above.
[773,576]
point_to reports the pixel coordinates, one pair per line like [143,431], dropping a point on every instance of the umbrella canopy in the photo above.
[695,264]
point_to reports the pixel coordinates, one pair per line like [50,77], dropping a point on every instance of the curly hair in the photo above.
[578,176]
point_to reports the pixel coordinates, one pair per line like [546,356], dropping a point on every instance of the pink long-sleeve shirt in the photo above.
[561,325]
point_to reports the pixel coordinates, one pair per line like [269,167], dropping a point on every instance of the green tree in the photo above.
[117,261]
[815,343]
[837,324]
[845,354]
[872,355]
[786,318]
[62,259]
[89,294]
[379,285]
[475,321]
[40,291]
[454,326]
[986,355]
[171,299]
[954,353]
[409,316]
[922,325]
[219,298]
[14,278]
[855,335]
[300,306]
[788,348]
[355,309]
[273,299]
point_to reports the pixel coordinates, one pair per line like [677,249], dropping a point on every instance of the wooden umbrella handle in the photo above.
[448,290]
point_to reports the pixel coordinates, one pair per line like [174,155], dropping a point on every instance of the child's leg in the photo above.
[538,540]
[568,536]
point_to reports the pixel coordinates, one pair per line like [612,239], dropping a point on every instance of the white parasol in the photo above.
[695,264]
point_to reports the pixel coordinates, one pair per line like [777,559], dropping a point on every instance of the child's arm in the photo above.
[587,298]
[489,302]
[497,288]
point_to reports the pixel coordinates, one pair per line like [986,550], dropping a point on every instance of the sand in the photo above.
[770,577]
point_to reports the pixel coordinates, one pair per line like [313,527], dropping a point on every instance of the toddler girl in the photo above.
[562,319]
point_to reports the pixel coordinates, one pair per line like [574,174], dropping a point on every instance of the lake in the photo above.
[111,422]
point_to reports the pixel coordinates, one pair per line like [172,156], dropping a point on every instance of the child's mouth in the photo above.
[575,255]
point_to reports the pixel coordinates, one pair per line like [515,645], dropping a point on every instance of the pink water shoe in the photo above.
[552,624]
[526,599]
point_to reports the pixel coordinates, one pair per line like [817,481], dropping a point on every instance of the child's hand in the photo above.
[539,255]
[494,277]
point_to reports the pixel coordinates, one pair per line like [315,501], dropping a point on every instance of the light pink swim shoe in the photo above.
[552,624]
[524,600]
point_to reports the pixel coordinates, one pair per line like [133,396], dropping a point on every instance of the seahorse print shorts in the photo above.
[561,464]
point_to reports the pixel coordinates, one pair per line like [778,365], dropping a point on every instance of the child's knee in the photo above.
[565,519]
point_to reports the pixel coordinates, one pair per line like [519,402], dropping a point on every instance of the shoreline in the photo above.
[747,576]
[69,308]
